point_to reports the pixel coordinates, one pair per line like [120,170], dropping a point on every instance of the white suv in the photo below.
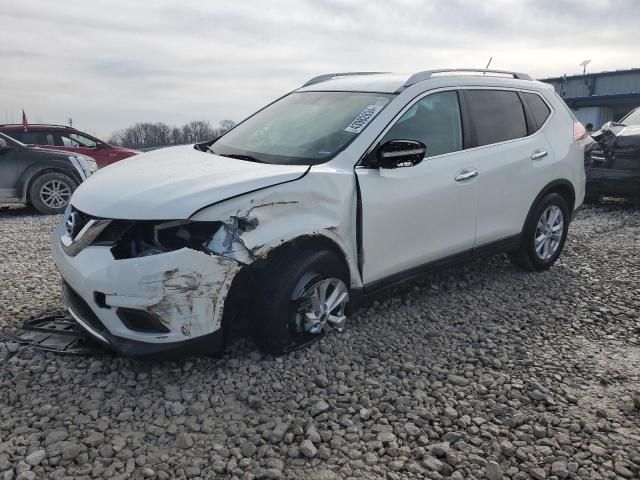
[351,183]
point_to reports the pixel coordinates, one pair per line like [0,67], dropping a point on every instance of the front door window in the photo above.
[435,121]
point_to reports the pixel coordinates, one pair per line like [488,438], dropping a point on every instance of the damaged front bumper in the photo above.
[150,304]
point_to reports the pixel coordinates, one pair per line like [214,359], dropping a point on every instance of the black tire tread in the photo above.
[274,284]
[525,256]
[36,185]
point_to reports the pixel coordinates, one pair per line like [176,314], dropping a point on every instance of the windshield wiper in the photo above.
[238,156]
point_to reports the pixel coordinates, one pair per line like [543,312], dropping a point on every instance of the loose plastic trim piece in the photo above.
[56,333]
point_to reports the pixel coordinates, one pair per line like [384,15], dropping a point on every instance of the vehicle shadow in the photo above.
[18,210]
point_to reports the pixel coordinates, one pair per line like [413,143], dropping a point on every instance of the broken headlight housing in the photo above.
[133,239]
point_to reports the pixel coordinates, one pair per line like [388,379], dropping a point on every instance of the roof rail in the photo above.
[427,74]
[329,76]
[35,125]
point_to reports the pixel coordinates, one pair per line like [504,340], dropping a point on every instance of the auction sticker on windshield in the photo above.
[363,119]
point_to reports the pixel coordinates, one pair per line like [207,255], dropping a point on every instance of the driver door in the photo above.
[412,216]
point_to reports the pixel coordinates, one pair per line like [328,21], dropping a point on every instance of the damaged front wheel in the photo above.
[301,292]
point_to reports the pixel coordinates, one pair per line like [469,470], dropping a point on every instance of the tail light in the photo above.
[579,132]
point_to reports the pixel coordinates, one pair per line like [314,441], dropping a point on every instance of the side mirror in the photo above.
[4,146]
[401,153]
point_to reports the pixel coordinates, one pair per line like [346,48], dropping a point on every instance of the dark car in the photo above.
[61,137]
[612,163]
[44,178]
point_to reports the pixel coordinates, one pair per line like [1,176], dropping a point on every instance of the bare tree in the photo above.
[153,135]
[224,126]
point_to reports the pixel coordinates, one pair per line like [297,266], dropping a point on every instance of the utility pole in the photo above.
[70,122]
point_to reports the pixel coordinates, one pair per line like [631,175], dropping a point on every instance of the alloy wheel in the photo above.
[320,301]
[55,193]
[549,232]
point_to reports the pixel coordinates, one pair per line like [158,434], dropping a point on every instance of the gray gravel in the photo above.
[480,372]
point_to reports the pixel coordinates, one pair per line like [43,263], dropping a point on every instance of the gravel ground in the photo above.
[481,372]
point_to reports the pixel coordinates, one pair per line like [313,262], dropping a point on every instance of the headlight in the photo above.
[93,166]
[87,164]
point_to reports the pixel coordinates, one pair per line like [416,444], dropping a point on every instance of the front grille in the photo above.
[81,308]
[84,218]
[79,219]
[114,231]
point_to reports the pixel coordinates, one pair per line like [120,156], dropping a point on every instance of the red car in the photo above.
[60,137]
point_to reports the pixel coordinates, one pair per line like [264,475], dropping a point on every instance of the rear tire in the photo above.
[50,192]
[544,234]
[282,313]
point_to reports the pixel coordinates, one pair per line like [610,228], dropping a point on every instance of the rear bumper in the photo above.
[178,298]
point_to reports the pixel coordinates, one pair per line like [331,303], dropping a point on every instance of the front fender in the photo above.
[320,204]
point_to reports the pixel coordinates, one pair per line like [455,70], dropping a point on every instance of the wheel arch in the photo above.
[30,175]
[319,241]
[562,187]
[236,308]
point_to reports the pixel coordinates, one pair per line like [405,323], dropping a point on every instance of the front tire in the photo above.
[299,293]
[544,235]
[50,192]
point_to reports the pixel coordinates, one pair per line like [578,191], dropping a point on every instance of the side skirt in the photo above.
[370,291]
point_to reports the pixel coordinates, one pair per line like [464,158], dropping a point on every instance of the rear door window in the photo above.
[37,137]
[498,115]
[538,108]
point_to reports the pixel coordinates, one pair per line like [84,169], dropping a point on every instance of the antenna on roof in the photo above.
[487,67]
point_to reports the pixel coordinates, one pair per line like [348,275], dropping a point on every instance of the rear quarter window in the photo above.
[498,115]
[539,109]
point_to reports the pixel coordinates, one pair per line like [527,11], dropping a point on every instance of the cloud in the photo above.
[111,63]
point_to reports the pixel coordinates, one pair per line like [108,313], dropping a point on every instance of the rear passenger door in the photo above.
[514,159]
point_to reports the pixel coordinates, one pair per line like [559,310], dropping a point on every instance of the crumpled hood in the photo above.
[173,183]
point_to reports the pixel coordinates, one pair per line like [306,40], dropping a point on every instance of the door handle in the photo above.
[112,154]
[466,174]
[538,154]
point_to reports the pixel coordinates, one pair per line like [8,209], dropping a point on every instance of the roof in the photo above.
[48,125]
[375,82]
[385,82]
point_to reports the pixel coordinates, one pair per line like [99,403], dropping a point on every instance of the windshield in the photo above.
[303,128]
[632,119]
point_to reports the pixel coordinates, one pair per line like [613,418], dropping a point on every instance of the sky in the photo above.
[110,64]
